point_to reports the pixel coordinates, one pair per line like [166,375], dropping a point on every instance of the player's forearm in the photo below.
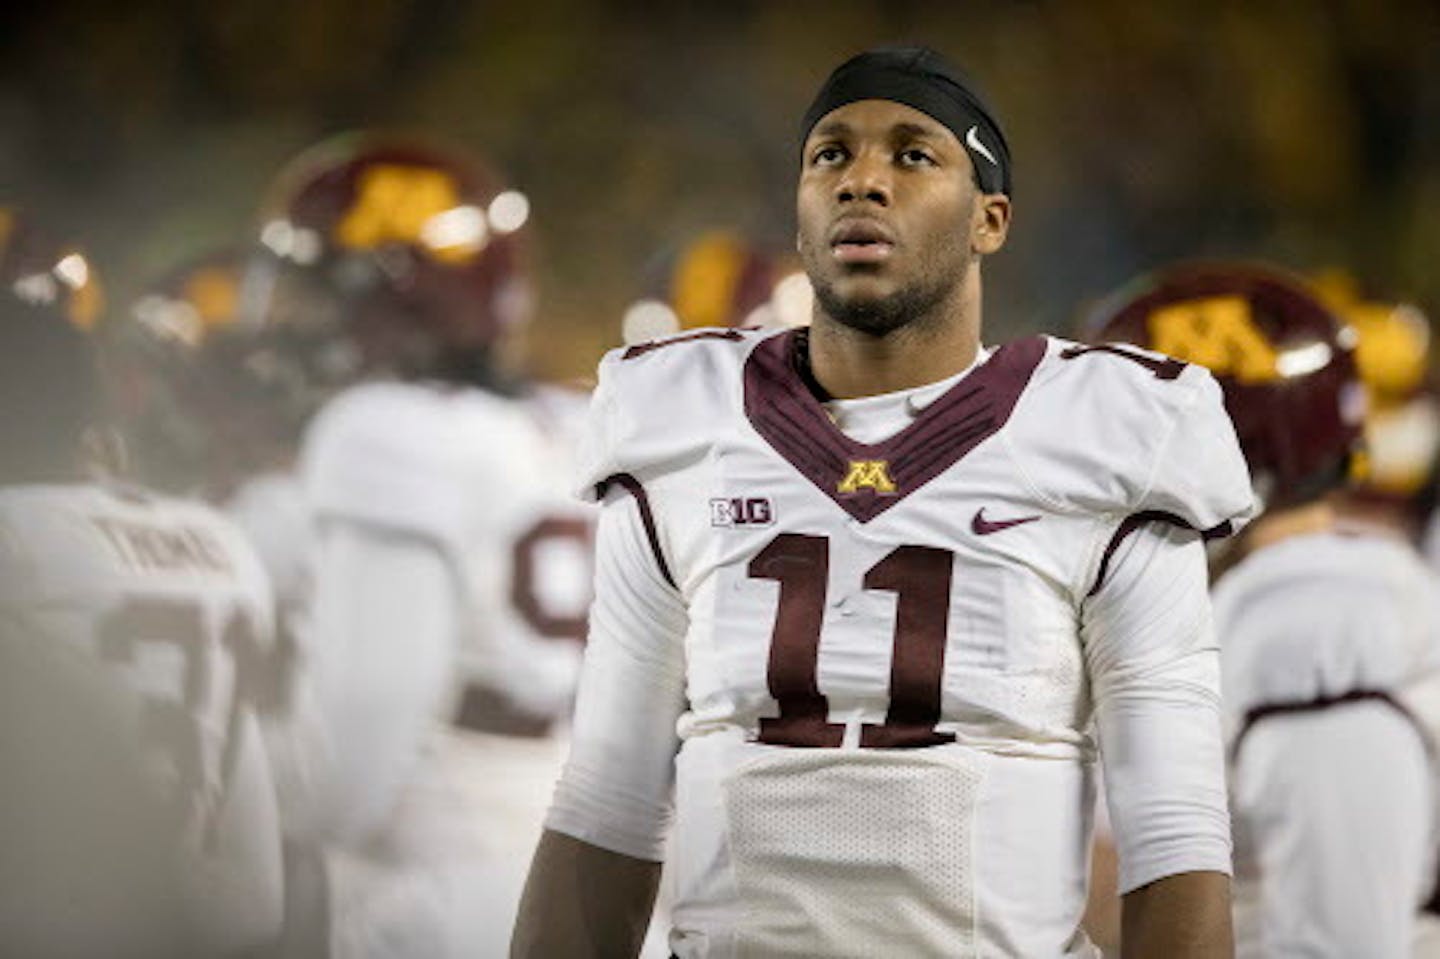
[1185,916]
[583,901]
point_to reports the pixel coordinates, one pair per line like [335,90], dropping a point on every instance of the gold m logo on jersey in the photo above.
[395,203]
[868,474]
[1218,333]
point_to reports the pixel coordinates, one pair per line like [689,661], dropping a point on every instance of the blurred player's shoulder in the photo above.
[421,458]
[80,536]
[1323,615]
[1334,568]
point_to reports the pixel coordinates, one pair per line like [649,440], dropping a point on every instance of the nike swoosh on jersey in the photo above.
[981,526]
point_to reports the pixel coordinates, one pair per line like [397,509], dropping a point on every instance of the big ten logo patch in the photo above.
[741,511]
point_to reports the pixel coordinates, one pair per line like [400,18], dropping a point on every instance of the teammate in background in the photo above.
[1402,416]
[1328,629]
[161,602]
[451,573]
[719,279]
[869,595]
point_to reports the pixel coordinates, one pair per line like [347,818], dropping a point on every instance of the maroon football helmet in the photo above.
[1286,364]
[391,255]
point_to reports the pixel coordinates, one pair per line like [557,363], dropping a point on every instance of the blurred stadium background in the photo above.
[1304,131]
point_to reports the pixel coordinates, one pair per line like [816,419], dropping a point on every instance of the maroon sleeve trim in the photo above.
[1266,710]
[1136,520]
[632,486]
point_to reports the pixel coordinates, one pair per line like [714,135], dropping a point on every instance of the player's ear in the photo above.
[990,223]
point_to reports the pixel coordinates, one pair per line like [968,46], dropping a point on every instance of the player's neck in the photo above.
[848,363]
[1272,528]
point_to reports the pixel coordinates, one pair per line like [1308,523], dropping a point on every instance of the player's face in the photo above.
[886,208]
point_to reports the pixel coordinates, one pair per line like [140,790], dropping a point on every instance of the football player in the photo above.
[1402,417]
[1329,629]
[451,573]
[869,595]
[164,596]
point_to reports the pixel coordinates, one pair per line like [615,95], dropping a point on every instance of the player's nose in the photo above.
[867,177]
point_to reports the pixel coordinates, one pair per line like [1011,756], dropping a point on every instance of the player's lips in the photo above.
[861,241]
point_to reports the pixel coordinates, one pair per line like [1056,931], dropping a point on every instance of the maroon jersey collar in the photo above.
[866,479]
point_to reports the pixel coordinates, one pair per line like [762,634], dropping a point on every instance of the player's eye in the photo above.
[915,156]
[828,155]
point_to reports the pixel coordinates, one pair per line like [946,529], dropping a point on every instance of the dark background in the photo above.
[1307,132]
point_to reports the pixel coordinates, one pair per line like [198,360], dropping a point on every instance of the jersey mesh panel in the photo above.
[854,854]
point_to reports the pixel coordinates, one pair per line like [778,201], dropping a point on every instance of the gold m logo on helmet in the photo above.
[395,203]
[1218,333]
[868,474]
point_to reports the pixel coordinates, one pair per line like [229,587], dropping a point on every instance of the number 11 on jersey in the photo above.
[920,578]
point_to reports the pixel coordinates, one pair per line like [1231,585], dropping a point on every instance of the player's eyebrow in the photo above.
[835,128]
[908,130]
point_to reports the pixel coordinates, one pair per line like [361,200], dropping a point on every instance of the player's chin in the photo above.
[861,287]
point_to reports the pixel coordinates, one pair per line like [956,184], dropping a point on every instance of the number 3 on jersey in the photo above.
[920,578]
[177,728]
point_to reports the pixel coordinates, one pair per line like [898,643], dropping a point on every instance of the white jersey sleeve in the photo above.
[1154,669]
[1159,465]
[616,789]
[390,600]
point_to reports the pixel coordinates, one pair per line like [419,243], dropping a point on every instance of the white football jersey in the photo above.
[171,599]
[1325,638]
[474,473]
[484,481]
[885,649]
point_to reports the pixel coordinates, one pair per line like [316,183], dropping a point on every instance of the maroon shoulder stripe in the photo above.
[1167,368]
[1136,520]
[640,349]
[633,486]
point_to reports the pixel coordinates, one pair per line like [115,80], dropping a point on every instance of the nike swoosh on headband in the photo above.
[973,142]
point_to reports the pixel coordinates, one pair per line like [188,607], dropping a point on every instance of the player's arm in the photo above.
[592,883]
[1183,915]
[385,615]
[1155,672]
[582,900]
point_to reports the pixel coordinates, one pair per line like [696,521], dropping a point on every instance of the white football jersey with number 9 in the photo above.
[475,474]
[169,597]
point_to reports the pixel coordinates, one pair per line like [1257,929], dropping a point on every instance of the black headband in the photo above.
[919,77]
